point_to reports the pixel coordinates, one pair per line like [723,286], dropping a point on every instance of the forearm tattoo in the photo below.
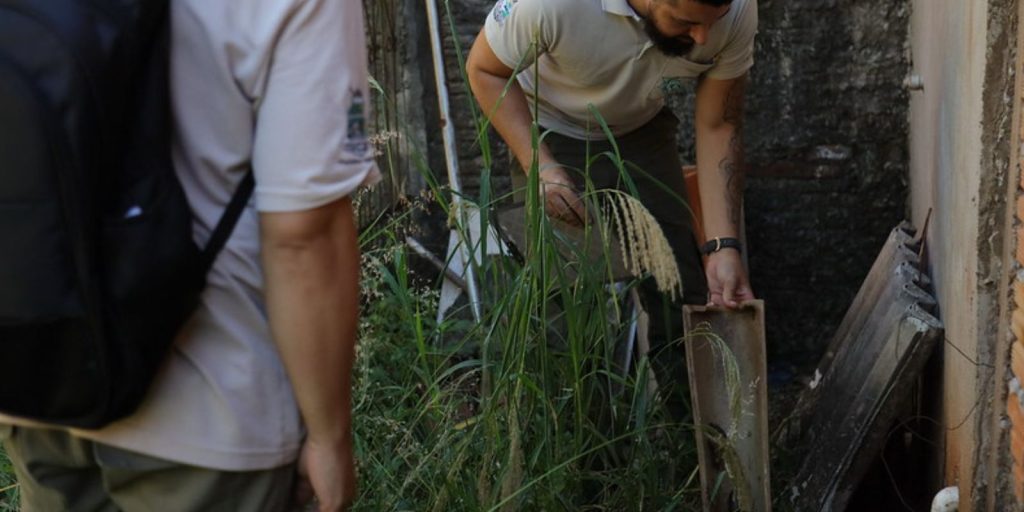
[731,165]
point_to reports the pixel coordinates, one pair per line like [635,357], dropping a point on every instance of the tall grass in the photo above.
[525,408]
[522,410]
[8,485]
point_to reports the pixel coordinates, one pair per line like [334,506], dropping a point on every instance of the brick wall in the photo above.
[1015,397]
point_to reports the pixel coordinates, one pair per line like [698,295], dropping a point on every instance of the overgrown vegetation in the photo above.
[8,485]
[522,408]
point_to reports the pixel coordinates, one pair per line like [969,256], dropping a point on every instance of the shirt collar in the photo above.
[620,7]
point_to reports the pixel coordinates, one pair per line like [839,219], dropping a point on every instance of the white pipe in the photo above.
[947,500]
[450,154]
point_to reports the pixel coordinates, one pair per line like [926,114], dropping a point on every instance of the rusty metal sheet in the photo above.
[734,474]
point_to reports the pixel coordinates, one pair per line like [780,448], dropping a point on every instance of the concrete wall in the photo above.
[959,157]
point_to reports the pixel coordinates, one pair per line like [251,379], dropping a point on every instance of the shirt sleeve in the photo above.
[310,145]
[519,31]
[738,56]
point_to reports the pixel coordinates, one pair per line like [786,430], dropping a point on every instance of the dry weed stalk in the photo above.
[642,243]
[725,440]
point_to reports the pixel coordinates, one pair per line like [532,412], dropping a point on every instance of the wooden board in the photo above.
[858,406]
[746,430]
[895,265]
[862,383]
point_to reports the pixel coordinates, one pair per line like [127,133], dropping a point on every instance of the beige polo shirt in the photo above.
[280,85]
[595,52]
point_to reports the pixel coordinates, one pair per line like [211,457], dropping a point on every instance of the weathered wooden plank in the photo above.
[732,445]
[1016,415]
[895,257]
[869,345]
[858,407]
[887,287]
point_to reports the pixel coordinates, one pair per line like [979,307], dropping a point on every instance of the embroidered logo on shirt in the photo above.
[356,142]
[502,10]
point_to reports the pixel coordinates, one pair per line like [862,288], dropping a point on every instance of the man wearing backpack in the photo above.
[251,407]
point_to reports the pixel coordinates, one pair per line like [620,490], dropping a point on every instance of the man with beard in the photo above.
[572,58]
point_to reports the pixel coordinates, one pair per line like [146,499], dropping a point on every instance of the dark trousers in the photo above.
[652,165]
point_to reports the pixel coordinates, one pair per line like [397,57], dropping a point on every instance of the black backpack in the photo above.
[98,268]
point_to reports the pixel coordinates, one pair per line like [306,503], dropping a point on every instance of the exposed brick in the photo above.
[1013,410]
[1018,294]
[1020,246]
[1017,360]
[1017,446]
[1017,324]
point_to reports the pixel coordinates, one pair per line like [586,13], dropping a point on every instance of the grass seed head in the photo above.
[642,243]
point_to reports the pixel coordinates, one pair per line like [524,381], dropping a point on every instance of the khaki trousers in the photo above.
[57,471]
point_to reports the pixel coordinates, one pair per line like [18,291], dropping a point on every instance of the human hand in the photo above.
[326,471]
[560,198]
[727,279]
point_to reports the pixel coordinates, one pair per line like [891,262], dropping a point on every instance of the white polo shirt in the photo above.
[280,85]
[575,53]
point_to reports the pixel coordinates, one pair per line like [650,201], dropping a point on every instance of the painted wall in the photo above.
[959,159]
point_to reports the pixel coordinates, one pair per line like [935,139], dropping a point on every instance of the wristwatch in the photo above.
[718,243]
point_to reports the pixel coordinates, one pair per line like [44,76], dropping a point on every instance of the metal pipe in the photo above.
[450,274]
[450,154]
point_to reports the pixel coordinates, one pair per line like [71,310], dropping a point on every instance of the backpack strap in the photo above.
[227,222]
